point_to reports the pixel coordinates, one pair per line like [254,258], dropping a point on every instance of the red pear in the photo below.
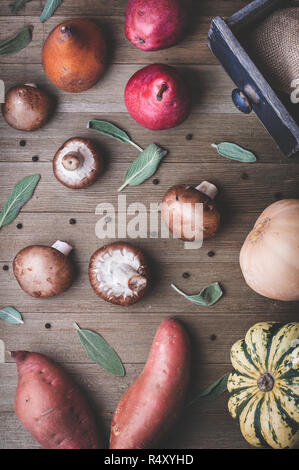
[157,97]
[156,24]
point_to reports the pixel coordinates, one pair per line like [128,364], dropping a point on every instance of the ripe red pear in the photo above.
[157,97]
[156,24]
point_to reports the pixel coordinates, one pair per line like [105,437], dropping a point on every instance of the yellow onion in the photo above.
[269,257]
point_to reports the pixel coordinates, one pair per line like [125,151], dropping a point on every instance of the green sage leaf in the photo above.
[50,8]
[17,42]
[213,391]
[207,297]
[17,5]
[234,152]
[144,166]
[110,130]
[99,351]
[216,389]
[22,192]
[11,315]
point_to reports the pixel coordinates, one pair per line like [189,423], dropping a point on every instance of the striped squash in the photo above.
[264,385]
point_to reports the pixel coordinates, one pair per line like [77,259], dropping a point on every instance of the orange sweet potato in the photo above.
[50,405]
[151,404]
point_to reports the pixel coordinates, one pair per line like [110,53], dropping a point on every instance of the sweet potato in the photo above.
[50,405]
[151,404]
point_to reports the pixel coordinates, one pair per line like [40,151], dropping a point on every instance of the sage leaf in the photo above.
[17,42]
[50,7]
[17,5]
[207,297]
[216,389]
[99,351]
[234,152]
[110,130]
[21,194]
[213,391]
[144,166]
[11,315]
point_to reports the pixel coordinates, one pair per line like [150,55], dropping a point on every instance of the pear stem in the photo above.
[161,91]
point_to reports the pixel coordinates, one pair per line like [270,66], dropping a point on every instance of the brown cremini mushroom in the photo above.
[77,164]
[44,271]
[27,107]
[118,273]
[184,216]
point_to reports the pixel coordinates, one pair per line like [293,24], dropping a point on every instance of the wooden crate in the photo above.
[254,92]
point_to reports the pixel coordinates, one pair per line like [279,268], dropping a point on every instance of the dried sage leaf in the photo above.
[110,130]
[50,8]
[144,166]
[216,389]
[213,391]
[17,42]
[234,152]
[22,192]
[207,297]
[11,315]
[99,351]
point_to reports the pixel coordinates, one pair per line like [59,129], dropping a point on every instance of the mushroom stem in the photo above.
[33,85]
[127,276]
[63,247]
[209,189]
[71,161]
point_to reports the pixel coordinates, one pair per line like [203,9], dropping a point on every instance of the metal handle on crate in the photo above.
[243,99]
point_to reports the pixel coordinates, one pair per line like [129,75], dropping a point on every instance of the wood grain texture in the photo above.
[245,190]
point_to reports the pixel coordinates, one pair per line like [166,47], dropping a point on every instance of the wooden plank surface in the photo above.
[244,192]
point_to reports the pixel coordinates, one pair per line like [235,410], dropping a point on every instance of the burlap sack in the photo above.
[274,47]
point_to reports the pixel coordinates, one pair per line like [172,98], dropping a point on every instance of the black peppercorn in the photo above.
[72,221]
[211,254]
[213,337]
[20,226]
[22,143]
[186,275]
[189,137]
[48,326]
[156,181]
[244,176]
[35,158]
[5,267]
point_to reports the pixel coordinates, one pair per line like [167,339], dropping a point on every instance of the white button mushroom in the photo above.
[118,273]
[183,215]
[44,271]
[77,164]
[27,107]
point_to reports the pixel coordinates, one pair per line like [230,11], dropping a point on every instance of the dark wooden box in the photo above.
[275,111]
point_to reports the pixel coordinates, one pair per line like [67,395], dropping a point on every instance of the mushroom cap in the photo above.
[119,273]
[27,107]
[173,210]
[89,170]
[42,271]
[74,55]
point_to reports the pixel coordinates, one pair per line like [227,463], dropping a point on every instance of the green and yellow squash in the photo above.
[264,385]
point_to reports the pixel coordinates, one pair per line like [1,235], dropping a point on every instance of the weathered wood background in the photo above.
[245,190]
